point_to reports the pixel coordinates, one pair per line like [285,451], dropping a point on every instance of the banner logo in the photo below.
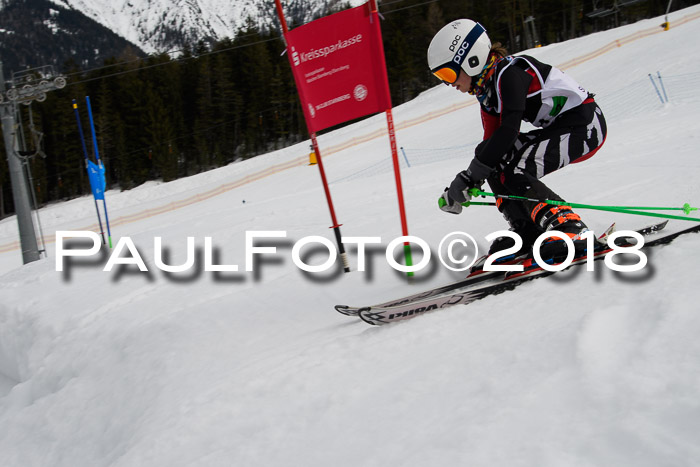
[360,92]
[324,52]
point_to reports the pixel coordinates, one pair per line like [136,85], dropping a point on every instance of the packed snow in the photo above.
[202,368]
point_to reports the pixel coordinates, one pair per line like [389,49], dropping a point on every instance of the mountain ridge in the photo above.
[158,26]
[39,32]
[83,33]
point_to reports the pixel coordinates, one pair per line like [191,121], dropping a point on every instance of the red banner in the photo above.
[338,66]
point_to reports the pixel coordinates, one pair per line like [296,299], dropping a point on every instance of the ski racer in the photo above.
[512,89]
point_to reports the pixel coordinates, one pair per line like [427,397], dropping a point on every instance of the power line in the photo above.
[180,59]
[169,62]
[167,52]
[406,7]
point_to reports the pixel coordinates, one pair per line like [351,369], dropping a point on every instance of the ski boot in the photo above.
[562,219]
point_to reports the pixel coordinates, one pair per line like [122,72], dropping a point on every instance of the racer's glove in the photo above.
[458,191]
[447,204]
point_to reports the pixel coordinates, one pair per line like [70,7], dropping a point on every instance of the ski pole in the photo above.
[686,207]
[466,204]
[640,211]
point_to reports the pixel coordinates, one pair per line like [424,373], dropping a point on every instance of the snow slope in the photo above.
[129,368]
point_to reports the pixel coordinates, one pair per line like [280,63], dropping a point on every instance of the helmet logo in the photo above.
[455,41]
[462,52]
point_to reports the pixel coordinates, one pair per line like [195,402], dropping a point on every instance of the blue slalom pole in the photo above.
[87,166]
[663,88]
[99,163]
[656,89]
[405,158]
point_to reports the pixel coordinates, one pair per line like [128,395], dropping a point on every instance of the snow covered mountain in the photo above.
[38,32]
[163,25]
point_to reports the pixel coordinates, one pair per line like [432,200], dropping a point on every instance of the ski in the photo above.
[477,276]
[379,315]
[382,315]
[459,293]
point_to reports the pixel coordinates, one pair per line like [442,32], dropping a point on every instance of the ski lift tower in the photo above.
[531,33]
[25,87]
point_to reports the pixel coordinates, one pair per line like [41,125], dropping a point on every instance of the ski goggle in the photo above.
[448,72]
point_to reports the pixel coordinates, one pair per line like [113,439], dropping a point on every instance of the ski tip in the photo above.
[347,310]
[656,227]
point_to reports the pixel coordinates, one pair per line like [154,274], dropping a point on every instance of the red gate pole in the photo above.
[335,226]
[399,188]
[394,153]
[319,160]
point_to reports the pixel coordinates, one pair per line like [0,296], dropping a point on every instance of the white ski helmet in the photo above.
[461,44]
